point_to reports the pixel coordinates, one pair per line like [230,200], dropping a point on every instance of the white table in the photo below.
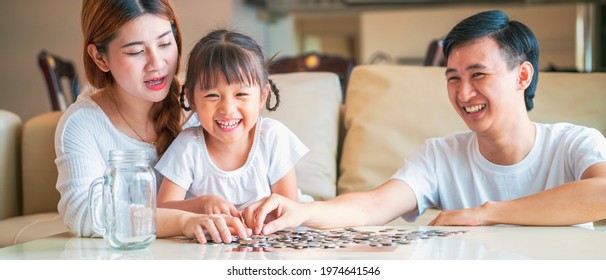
[493,242]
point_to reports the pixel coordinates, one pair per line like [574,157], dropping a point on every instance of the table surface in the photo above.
[493,242]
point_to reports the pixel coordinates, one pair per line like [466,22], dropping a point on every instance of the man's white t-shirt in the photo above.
[450,173]
[274,152]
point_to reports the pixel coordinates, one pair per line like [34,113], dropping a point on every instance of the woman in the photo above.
[131,56]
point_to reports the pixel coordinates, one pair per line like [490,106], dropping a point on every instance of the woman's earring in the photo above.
[182,99]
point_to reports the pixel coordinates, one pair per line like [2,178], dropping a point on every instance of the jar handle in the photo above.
[91,206]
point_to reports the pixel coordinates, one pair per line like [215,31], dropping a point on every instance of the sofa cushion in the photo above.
[38,164]
[577,98]
[309,106]
[390,111]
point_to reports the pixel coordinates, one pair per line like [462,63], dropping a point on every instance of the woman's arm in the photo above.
[79,161]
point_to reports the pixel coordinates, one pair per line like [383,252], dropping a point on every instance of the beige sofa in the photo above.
[390,111]
[28,199]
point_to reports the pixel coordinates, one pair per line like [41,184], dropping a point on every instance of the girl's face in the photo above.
[142,58]
[229,112]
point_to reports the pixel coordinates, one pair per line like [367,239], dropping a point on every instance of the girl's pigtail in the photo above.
[182,99]
[275,90]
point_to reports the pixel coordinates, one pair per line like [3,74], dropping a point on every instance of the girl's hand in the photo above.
[219,228]
[212,204]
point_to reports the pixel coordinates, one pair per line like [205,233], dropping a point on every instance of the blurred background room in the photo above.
[308,35]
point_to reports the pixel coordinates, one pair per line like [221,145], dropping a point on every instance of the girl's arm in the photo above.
[287,185]
[171,195]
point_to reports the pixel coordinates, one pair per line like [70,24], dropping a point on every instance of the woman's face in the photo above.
[142,58]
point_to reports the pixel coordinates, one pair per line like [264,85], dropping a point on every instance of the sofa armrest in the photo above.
[10,139]
[22,229]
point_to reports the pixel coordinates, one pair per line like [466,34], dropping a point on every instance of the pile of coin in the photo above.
[314,238]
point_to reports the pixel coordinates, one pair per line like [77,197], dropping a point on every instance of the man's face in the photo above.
[481,88]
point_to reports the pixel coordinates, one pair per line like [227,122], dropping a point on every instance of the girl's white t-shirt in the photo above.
[274,152]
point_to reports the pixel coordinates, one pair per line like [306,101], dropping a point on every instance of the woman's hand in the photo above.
[219,228]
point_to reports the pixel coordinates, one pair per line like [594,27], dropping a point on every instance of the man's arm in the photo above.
[572,203]
[374,207]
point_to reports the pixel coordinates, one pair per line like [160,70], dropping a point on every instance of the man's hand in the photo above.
[464,217]
[273,213]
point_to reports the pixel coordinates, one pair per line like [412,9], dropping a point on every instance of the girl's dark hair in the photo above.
[228,54]
[101,20]
[516,41]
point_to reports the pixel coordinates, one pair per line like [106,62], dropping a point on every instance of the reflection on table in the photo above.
[495,242]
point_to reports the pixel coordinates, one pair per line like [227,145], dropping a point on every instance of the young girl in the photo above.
[235,157]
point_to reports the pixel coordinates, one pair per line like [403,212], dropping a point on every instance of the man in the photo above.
[505,170]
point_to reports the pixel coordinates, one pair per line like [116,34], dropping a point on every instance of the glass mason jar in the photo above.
[128,201]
